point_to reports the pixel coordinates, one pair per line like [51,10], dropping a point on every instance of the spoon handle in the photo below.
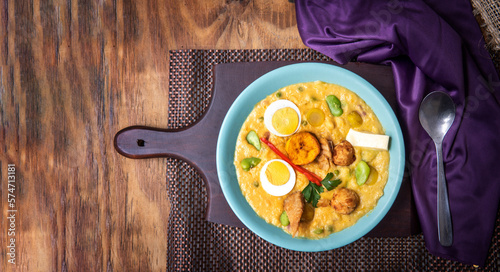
[444,216]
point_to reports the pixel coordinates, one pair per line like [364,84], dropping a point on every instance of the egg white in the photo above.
[274,189]
[271,109]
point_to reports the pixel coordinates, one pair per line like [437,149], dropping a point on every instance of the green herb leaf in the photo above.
[307,192]
[329,182]
[316,198]
[319,189]
[332,184]
[328,177]
[312,193]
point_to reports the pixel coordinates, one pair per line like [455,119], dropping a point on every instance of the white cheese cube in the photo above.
[369,140]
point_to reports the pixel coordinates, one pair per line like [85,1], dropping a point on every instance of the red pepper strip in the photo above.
[309,175]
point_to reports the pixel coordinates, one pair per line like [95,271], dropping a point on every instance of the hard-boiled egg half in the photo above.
[277,177]
[282,118]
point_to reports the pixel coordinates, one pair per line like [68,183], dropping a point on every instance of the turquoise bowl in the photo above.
[271,82]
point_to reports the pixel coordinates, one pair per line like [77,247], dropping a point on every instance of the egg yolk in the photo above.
[285,121]
[277,173]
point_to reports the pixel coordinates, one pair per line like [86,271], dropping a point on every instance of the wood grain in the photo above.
[72,74]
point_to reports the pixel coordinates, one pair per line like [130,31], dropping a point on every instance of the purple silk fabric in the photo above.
[431,45]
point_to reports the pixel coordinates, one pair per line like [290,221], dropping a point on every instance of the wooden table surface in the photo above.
[72,74]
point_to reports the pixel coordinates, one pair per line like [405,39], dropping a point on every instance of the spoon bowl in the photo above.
[436,114]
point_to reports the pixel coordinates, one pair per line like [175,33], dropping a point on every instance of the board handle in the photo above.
[142,142]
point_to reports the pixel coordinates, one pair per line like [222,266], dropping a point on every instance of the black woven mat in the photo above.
[197,245]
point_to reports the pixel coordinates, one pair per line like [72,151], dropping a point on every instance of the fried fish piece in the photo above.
[345,201]
[325,156]
[294,206]
[343,154]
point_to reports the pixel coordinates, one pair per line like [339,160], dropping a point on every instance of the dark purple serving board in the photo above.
[197,143]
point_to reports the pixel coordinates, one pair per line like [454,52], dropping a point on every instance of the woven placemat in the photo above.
[197,245]
[487,13]
[490,13]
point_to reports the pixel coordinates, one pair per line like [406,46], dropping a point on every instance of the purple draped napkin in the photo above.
[431,45]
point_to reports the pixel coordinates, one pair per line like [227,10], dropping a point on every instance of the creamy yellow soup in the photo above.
[308,96]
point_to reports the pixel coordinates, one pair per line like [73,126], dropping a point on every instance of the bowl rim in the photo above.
[271,82]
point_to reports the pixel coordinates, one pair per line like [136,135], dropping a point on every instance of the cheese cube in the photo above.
[368,140]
